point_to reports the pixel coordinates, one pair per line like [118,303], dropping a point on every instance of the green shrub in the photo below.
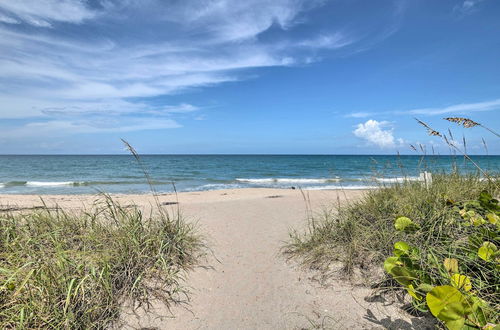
[461,290]
[74,271]
[429,231]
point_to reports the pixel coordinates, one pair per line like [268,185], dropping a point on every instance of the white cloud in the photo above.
[358,114]
[461,108]
[41,12]
[119,57]
[8,19]
[377,133]
[467,6]
[457,108]
[116,108]
[81,126]
[332,41]
[78,66]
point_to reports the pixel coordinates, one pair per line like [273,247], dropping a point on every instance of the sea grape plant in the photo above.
[454,296]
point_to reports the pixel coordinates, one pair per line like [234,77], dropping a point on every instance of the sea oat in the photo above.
[465,122]
[431,131]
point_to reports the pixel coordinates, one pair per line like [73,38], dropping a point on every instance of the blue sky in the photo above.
[254,76]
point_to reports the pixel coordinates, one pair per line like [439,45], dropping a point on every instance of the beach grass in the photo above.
[74,270]
[361,234]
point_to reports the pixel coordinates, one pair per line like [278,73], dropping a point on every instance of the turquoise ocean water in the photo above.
[122,174]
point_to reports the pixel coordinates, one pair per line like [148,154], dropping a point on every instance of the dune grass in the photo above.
[74,270]
[361,234]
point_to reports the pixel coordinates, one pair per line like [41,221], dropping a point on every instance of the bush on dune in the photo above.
[74,270]
[362,234]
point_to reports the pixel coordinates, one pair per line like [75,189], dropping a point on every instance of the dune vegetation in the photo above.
[64,270]
[436,241]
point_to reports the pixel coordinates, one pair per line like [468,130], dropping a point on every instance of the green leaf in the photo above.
[403,276]
[461,282]
[401,248]
[452,311]
[477,220]
[488,202]
[441,296]
[487,251]
[402,223]
[492,218]
[390,263]
[455,324]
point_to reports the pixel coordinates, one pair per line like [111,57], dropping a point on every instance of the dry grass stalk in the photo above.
[468,123]
[465,122]
[431,131]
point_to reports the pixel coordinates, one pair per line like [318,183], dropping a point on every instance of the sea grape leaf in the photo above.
[452,311]
[456,324]
[451,265]
[461,282]
[441,296]
[391,262]
[404,223]
[493,218]
[477,220]
[488,202]
[403,276]
[487,251]
[401,248]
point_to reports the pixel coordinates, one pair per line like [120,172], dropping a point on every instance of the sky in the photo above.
[247,77]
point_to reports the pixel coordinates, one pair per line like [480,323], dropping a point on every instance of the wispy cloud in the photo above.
[359,114]
[461,108]
[107,66]
[467,6]
[64,127]
[457,108]
[42,12]
[62,57]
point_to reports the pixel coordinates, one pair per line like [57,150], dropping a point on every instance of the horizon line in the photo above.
[248,154]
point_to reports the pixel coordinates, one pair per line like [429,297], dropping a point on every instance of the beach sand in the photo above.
[247,283]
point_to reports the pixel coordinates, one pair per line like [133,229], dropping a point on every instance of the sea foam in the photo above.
[332,187]
[288,180]
[52,183]
[397,179]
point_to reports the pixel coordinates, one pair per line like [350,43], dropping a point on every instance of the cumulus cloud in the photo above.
[379,133]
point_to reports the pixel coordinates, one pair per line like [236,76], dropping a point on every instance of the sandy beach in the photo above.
[247,283]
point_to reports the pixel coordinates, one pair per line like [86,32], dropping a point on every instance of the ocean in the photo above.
[87,174]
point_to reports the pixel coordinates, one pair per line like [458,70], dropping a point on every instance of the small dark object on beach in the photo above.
[293,188]
[169,203]
[274,196]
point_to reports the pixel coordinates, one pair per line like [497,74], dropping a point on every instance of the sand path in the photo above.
[251,285]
